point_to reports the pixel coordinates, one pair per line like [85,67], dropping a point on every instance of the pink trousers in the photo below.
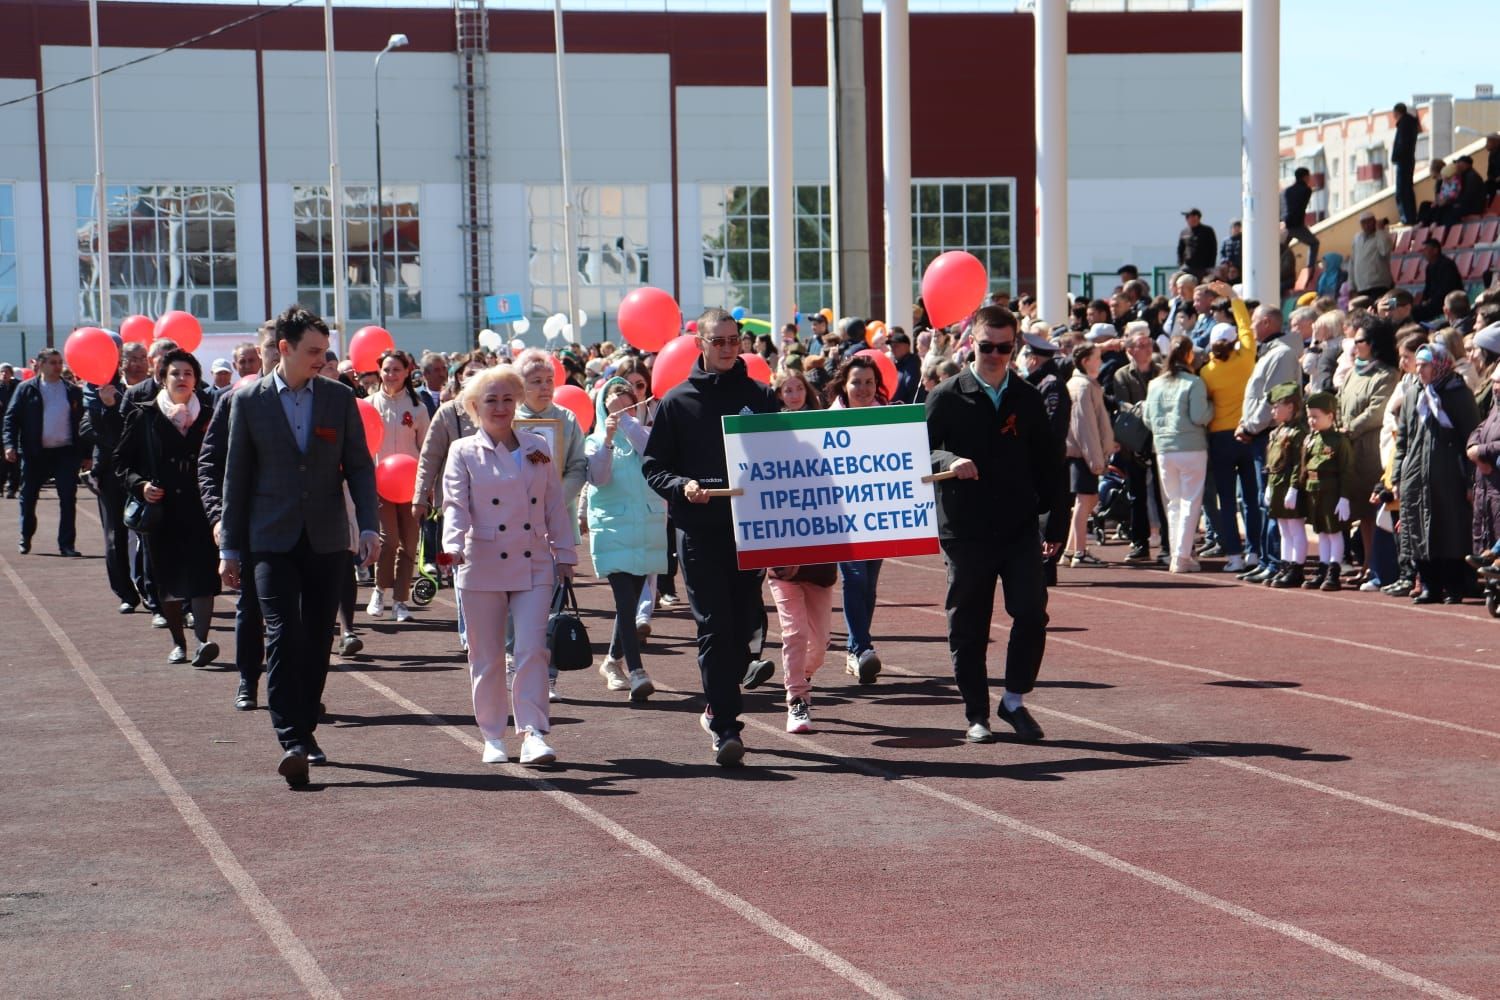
[805,611]
[484,619]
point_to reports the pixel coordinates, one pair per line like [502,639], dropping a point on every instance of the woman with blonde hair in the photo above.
[506,528]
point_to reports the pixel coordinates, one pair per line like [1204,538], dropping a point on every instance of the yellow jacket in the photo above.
[1225,380]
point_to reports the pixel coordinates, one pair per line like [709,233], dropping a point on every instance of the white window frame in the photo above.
[1006,280]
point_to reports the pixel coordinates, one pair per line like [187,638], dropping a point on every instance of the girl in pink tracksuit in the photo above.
[803,595]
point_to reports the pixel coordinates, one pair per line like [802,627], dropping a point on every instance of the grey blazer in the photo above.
[273,492]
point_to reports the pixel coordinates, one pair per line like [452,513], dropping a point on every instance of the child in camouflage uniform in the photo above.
[1283,468]
[1327,475]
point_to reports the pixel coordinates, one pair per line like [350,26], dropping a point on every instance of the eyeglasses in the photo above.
[721,341]
[990,347]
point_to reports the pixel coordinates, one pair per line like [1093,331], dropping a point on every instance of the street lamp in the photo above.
[396,42]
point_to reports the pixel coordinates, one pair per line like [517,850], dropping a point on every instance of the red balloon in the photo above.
[366,347]
[673,364]
[756,367]
[887,368]
[559,373]
[953,286]
[137,330]
[26,373]
[649,319]
[92,355]
[244,380]
[182,328]
[396,478]
[570,397]
[374,426]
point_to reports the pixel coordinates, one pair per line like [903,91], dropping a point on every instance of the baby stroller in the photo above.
[1113,510]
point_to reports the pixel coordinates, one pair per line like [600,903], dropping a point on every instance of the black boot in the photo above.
[1316,580]
[1290,577]
[1331,581]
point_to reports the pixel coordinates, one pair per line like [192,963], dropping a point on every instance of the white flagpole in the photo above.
[335,190]
[101,199]
[570,221]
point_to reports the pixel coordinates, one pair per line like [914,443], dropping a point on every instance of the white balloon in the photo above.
[521,325]
[517,346]
[583,319]
[566,333]
[489,340]
[486,332]
[554,323]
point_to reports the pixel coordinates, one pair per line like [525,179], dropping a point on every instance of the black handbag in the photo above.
[1131,431]
[142,516]
[567,639]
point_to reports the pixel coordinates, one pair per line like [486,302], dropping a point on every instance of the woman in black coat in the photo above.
[1433,475]
[157,461]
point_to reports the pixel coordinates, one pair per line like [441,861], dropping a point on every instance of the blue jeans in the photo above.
[860,581]
[1233,462]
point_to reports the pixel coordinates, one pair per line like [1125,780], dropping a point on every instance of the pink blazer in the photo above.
[505,513]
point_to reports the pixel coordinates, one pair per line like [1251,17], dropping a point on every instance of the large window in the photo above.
[170,247]
[972,215]
[737,247]
[380,233]
[9,301]
[610,256]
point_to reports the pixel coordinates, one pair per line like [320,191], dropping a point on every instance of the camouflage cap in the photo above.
[1285,392]
[1325,401]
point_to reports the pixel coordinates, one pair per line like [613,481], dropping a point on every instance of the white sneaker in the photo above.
[376,607]
[1235,564]
[851,664]
[1369,586]
[552,694]
[494,752]
[403,613]
[798,716]
[534,749]
[613,672]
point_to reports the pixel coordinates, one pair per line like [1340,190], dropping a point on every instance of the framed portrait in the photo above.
[551,430]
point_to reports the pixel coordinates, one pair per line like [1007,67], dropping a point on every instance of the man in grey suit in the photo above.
[294,440]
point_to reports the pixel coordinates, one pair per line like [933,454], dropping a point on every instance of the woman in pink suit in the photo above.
[506,529]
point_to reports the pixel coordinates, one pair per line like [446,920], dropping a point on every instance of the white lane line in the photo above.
[1298,692]
[262,909]
[1239,765]
[751,913]
[1165,882]
[1239,623]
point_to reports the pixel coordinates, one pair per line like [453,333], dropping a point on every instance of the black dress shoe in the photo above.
[1426,597]
[244,698]
[68,550]
[1453,599]
[758,673]
[315,755]
[1027,731]
[293,767]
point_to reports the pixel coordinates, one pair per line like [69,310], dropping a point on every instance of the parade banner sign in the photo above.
[826,486]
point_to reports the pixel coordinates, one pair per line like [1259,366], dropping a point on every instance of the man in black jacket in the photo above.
[1295,199]
[1196,245]
[989,428]
[102,424]
[1404,159]
[685,456]
[1442,278]
[1050,377]
[42,433]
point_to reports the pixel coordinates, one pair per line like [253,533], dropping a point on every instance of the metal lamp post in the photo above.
[396,42]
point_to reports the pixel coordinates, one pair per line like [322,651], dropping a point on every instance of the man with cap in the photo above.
[1442,278]
[1295,199]
[819,323]
[1107,336]
[223,375]
[1231,348]
[1370,269]
[1045,372]
[908,367]
[1196,245]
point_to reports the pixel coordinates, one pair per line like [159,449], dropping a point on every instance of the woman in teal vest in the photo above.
[627,527]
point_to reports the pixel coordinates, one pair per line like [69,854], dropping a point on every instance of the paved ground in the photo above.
[1244,793]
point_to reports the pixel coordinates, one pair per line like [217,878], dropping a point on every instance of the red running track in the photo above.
[1244,793]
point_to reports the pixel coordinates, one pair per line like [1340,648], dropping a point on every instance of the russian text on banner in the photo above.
[830,485]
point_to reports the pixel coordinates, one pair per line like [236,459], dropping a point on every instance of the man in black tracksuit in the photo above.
[685,456]
[988,426]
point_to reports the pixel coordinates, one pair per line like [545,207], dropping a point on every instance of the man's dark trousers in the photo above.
[1406,197]
[116,536]
[299,596]
[61,466]
[728,609]
[1140,516]
[249,629]
[973,569]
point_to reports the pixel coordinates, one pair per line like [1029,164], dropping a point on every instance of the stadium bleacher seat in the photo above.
[1464,260]
[1408,273]
[1488,230]
[1478,264]
[1403,242]
[1494,208]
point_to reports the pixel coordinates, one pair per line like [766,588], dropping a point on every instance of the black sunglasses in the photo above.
[990,347]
